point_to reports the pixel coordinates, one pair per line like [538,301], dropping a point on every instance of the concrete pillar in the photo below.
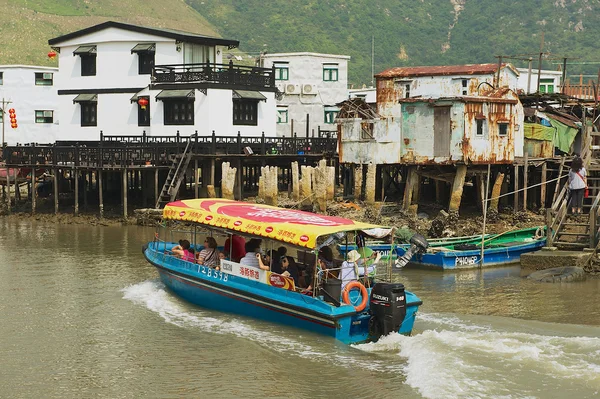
[409,187]
[269,177]
[496,192]
[156,186]
[227,180]
[370,184]
[457,188]
[320,174]
[295,182]
[358,179]
[210,189]
[331,183]
[306,185]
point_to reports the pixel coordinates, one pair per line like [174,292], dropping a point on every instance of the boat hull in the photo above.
[223,292]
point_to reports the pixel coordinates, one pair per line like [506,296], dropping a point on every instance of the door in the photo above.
[441,132]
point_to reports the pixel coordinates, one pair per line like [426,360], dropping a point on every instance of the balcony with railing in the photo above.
[213,75]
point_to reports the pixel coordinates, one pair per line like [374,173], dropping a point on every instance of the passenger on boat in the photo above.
[209,256]
[253,257]
[350,270]
[234,248]
[184,251]
[290,268]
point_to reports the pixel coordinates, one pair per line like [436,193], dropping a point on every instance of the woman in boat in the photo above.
[209,256]
[577,185]
[289,266]
[183,251]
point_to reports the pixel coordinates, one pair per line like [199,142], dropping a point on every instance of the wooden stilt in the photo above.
[516,189]
[125,188]
[33,191]
[525,176]
[76,174]
[409,187]
[212,171]
[196,175]
[17,191]
[56,191]
[480,191]
[439,191]
[8,189]
[156,185]
[238,181]
[416,195]
[87,181]
[496,190]
[558,185]
[543,188]
[100,195]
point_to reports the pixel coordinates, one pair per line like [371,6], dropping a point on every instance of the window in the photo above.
[1,78]
[282,115]
[194,53]
[44,116]
[145,62]
[330,72]
[546,85]
[179,112]
[144,113]
[282,70]
[88,65]
[245,112]
[502,129]
[88,113]
[330,115]
[407,91]
[465,83]
[480,123]
[43,79]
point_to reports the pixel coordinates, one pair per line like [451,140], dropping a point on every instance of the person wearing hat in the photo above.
[350,271]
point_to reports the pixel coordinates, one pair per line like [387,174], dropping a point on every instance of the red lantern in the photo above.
[13,120]
[11,111]
[52,54]
[143,102]
[14,125]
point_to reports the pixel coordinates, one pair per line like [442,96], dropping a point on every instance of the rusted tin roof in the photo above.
[445,70]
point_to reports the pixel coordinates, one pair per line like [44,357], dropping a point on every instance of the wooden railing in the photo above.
[556,215]
[584,91]
[215,74]
[158,150]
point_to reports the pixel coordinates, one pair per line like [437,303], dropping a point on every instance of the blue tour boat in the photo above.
[365,314]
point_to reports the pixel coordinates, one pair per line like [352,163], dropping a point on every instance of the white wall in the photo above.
[20,88]
[117,68]
[307,68]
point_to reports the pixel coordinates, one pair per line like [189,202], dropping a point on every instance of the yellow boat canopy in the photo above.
[289,225]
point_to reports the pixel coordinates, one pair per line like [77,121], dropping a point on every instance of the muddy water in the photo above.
[83,315]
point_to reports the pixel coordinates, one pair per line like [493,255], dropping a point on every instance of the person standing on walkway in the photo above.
[577,185]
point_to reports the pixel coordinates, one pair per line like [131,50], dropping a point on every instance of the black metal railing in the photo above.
[215,74]
[130,150]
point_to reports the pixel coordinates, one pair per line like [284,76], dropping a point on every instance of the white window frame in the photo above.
[331,72]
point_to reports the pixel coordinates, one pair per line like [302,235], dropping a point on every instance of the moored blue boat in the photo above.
[498,250]
[265,295]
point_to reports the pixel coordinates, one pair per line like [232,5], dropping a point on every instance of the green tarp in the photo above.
[536,131]
[565,135]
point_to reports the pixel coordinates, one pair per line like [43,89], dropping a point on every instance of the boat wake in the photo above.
[484,357]
[452,356]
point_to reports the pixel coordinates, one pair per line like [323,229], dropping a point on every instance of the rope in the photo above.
[524,188]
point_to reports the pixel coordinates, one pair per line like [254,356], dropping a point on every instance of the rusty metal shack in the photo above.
[438,123]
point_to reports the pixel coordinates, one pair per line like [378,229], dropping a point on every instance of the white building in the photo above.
[549,80]
[125,79]
[312,84]
[31,92]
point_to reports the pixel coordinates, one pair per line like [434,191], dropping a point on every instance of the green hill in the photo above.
[405,32]
[413,32]
[26,25]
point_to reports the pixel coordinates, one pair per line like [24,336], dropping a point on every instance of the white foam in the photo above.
[454,357]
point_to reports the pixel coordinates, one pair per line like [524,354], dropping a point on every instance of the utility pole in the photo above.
[540,63]
[3,110]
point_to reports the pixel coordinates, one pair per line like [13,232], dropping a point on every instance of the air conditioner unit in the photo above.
[48,114]
[291,89]
[47,75]
[309,89]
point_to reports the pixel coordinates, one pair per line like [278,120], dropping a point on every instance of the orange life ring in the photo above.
[363,292]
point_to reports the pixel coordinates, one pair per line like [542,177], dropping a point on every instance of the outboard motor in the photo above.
[388,307]
[418,244]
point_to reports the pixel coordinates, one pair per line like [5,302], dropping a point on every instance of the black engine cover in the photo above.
[388,307]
